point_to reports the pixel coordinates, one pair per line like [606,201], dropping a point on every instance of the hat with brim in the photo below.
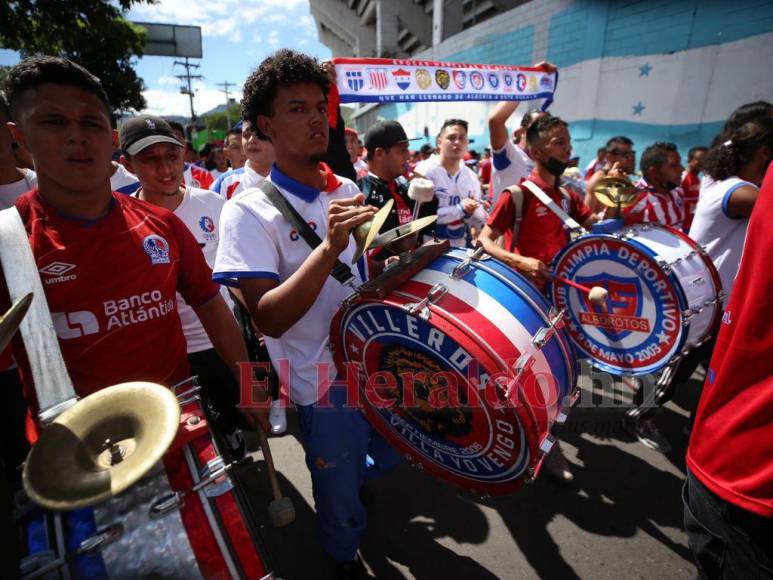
[143,131]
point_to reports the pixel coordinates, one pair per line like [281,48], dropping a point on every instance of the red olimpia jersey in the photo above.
[110,285]
[731,446]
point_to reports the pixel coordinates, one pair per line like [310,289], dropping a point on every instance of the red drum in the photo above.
[461,365]
[188,518]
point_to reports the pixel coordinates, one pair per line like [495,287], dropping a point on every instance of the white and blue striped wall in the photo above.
[652,70]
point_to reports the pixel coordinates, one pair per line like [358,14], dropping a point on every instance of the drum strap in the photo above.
[340,271]
[552,206]
[53,386]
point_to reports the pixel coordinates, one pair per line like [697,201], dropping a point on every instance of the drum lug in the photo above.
[99,541]
[349,300]
[699,281]
[461,269]
[544,334]
[547,444]
[166,504]
[523,364]
[561,418]
[214,470]
[420,308]
[665,266]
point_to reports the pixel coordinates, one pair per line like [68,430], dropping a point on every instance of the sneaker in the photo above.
[647,433]
[354,570]
[277,417]
[556,465]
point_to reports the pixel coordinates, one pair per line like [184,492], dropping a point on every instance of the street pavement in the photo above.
[620,518]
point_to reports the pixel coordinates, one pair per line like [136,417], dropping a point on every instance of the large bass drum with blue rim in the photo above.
[462,366]
[664,297]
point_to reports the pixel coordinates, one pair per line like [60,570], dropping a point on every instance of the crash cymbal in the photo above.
[10,321]
[615,191]
[365,233]
[402,231]
[101,446]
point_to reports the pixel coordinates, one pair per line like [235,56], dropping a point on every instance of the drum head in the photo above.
[438,396]
[641,328]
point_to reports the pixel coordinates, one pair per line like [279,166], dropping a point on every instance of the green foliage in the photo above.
[93,33]
[218,121]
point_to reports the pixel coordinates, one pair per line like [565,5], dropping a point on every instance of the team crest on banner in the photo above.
[508,80]
[476,80]
[442,78]
[423,79]
[354,80]
[532,83]
[520,82]
[546,83]
[493,80]
[460,79]
[378,78]
[402,78]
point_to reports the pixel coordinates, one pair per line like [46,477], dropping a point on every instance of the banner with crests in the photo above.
[384,80]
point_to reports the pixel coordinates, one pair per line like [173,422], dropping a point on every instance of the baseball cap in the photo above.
[384,134]
[143,131]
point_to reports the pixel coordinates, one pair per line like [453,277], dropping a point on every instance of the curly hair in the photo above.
[726,159]
[38,70]
[539,128]
[742,115]
[284,67]
[656,155]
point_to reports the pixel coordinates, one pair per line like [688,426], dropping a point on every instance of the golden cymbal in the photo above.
[615,191]
[402,231]
[365,233]
[101,446]
[10,321]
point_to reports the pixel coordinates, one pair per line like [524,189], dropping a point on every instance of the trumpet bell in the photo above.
[101,446]
[364,234]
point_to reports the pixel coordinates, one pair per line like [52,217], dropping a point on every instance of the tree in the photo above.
[93,33]
[217,121]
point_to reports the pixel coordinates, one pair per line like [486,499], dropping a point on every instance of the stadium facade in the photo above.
[651,69]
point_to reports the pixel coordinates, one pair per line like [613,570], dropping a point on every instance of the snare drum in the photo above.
[464,368]
[188,518]
[664,297]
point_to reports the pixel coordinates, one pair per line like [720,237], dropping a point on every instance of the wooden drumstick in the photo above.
[281,510]
[597,295]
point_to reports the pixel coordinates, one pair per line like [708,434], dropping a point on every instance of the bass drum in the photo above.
[463,367]
[664,297]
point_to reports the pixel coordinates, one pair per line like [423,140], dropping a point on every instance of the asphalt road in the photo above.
[620,518]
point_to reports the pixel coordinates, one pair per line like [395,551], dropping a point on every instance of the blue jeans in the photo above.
[342,453]
[726,541]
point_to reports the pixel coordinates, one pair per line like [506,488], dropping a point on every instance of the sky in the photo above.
[236,36]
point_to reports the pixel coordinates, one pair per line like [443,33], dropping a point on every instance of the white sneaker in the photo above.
[277,417]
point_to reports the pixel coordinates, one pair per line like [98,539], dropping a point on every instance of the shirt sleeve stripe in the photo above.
[500,160]
[230,278]
[726,200]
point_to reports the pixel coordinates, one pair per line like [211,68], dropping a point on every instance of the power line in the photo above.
[225,85]
[187,89]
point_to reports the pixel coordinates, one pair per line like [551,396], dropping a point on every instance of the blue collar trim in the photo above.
[305,192]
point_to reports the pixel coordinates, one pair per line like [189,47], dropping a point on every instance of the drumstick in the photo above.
[596,294]
[281,510]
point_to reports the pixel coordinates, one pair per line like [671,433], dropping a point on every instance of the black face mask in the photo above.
[555,167]
[669,185]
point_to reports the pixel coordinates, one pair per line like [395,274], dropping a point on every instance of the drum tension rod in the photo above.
[435,293]
[544,334]
[461,269]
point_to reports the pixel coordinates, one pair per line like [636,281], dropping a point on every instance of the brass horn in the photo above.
[101,446]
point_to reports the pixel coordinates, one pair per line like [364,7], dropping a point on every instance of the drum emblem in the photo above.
[623,308]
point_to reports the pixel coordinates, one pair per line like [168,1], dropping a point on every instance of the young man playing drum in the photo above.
[533,233]
[114,308]
[291,294]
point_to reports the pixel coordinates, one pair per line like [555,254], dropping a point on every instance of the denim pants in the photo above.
[726,541]
[342,453]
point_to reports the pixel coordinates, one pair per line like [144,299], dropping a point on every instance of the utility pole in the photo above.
[225,85]
[187,89]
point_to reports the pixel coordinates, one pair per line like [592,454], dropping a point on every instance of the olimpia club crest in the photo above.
[402,78]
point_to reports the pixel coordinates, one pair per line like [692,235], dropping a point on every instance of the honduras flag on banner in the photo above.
[383,80]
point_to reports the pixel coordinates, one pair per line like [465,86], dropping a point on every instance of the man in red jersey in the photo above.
[691,184]
[728,495]
[114,307]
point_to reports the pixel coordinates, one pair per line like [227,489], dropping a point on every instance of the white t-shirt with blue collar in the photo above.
[256,241]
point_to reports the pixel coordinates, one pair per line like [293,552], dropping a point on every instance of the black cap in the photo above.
[141,132]
[384,134]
